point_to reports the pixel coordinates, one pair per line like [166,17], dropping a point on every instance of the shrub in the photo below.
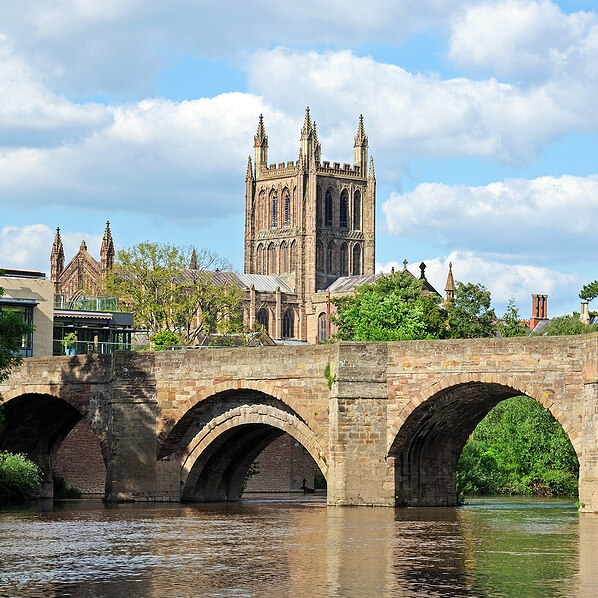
[19,477]
[62,489]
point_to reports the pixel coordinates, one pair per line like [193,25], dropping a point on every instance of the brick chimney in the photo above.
[539,310]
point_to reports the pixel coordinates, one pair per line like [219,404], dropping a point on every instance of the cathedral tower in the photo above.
[309,220]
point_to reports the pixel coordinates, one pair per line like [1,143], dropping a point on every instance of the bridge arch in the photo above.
[36,423]
[428,435]
[218,439]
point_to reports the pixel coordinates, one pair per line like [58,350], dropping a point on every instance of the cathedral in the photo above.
[309,237]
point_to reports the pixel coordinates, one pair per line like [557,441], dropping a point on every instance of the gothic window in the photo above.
[344,209]
[287,208]
[288,321]
[293,257]
[319,256]
[260,265]
[272,259]
[319,207]
[261,211]
[357,211]
[262,318]
[274,202]
[344,260]
[322,327]
[284,258]
[356,259]
[328,209]
[330,258]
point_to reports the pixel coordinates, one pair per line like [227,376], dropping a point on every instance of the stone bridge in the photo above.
[386,425]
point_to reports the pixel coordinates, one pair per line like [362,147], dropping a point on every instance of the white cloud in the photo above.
[549,219]
[28,247]
[525,39]
[503,280]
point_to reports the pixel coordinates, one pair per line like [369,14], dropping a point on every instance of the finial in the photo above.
[422,269]
[372,174]
[260,137]
[360,138]
[405,262]
[307,126]
[449,288]
[83,246]
[249,173]
[193,260]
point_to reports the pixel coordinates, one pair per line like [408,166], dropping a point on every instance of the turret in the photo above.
[106,251]
[449,287]
[260,144]
[361,147]
[56,257]
[307,140]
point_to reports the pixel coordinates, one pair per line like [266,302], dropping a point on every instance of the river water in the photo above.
[298,547]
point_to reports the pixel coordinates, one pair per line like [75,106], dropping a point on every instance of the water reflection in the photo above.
[490,548]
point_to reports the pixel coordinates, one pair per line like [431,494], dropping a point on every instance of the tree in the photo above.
[157,284]
[511,322]
[469,314]
[589,291]
[565,325]
[392,308]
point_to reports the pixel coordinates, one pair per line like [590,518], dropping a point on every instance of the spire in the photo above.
[361,148]
[449,288]
[422,269]
[260,143]
[193,260]
[317,146]
[361,139]
[249,174]
[372,174]
[307,126]
[107,250]
[56,257]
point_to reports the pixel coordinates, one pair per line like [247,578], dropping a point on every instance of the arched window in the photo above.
[322,327]
[284,258]
[330,258]
[319,206]
[288,324]
[293,257]
[328,209]
[319,256]
[274,203]
[344,265]
[262,318]
[272,269]
[261,210]
[287,207]
[344,209]
[357,210]
[259,260]
[356,259]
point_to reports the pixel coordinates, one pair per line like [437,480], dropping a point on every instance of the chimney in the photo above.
[584,316]
[539,310]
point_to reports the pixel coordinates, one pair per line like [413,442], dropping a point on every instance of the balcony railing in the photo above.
[87,347]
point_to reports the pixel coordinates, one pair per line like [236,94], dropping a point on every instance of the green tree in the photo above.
[570,324]
[390,309]
[469,314]
[589,291]
[156,283]
[511,322]
[518,448]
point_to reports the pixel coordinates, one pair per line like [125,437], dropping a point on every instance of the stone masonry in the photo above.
[186,425]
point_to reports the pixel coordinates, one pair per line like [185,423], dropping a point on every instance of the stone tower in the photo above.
[310,221]
[56,258]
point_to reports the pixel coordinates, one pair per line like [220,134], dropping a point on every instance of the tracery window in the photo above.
[322,327]
[328,209]
[344,209]
[260,265]
[287,208]
[356,259]
[293,257]
[357,210]
[274,210]
[272,259]
[284,258]
[344,265]
[262,318]
[330,258]
[319,256]
[288,321]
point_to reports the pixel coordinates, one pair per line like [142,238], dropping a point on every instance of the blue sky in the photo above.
[481,118]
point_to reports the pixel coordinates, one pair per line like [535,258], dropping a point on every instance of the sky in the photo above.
[482,119]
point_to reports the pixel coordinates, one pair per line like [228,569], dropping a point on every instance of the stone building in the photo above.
[309,223]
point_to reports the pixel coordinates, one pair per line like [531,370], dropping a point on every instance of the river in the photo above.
[296,546]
